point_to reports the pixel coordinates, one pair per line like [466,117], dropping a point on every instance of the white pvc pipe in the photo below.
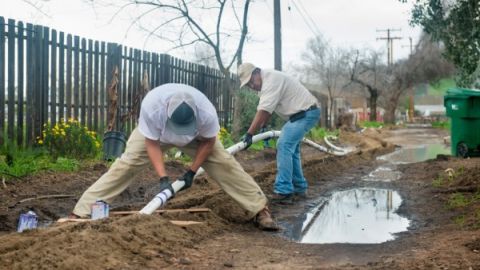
[333,146]
[161,198]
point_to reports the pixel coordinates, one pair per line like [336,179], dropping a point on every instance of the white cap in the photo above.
[245,73]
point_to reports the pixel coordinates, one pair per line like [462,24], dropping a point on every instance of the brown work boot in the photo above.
[264,220]
[277,198]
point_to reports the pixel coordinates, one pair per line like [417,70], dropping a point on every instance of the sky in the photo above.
[345,23]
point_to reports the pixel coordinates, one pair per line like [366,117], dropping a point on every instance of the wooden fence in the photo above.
[47,75]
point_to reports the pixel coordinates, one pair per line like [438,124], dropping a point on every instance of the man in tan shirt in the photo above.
[288,98]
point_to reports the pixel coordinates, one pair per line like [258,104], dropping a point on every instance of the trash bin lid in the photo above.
[462,93]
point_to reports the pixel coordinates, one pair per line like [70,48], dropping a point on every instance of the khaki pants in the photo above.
[220,166]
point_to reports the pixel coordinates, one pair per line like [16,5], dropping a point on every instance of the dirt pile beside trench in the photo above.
[131,242]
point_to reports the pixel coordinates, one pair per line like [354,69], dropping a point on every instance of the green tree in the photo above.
[457,25]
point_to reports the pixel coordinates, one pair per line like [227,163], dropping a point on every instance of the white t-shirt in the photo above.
[283,94]
[153,115]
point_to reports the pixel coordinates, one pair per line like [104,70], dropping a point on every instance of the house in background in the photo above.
[345,102]
[428,104]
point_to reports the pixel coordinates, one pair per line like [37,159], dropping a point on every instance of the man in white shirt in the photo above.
[178,115]
[292,102]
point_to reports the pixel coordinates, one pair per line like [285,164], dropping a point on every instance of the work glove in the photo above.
[187,178]
[166,183]
[247,139]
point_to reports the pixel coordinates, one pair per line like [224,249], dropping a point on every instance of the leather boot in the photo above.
[264,220]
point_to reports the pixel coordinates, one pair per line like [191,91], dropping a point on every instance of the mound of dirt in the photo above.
[131,242]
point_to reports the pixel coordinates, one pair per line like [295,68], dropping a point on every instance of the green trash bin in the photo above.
[463,107]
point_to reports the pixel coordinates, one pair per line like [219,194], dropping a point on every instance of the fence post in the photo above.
[53,78]
[114,56]
[37,78]
[11,80]
[2,78]
[20,87]
[45,78]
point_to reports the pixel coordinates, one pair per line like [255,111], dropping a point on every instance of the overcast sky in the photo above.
[346,23]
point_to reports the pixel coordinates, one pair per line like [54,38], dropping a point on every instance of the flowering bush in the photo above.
[225,137]
[69,139]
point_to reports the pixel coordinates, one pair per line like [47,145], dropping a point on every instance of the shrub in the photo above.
[248,102]
[225,137]
[69,139]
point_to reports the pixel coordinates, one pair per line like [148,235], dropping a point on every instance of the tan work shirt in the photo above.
[283,94]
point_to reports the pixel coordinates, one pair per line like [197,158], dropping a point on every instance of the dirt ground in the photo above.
[440,236]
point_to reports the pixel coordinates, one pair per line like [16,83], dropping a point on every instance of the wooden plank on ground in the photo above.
[189,210]
[182,223]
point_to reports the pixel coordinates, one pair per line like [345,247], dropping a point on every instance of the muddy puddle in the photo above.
[412,154]
[387,170]
[365,215]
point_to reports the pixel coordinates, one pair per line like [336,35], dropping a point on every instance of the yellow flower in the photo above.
[40,141]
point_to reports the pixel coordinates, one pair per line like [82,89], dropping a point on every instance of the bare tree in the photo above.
[187,22]
[425,65]
[367,71]
[204,55]
[327,66]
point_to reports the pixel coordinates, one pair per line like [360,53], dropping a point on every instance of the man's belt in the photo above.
[301,114]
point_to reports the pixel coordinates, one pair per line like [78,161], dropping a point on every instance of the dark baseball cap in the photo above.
[182,114]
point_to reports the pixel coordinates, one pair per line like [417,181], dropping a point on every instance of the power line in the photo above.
[305,20]
[309,17]
[389,40]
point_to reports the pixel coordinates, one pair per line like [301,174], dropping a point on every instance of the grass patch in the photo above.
[31,161]
[259,146]
[442,124]
[371,124]
[460,220]
[318,133]
[17,162]
[458,200]
[438,182]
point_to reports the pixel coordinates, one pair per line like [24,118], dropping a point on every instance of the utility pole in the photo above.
[277,33]
[389,40]
[410,45]
[411,103]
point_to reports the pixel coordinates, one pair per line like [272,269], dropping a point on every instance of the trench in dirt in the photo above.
[366,213]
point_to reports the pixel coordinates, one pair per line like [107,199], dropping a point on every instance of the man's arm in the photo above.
[156,156]
[204,149]
[260,119]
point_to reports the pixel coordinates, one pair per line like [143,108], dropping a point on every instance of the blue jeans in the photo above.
[289,164]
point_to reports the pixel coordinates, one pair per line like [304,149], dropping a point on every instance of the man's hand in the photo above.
[188,179]
[247,139]
[165,183]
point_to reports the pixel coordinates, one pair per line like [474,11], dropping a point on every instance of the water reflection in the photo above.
[385,173]
[417,154]
[354,216]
